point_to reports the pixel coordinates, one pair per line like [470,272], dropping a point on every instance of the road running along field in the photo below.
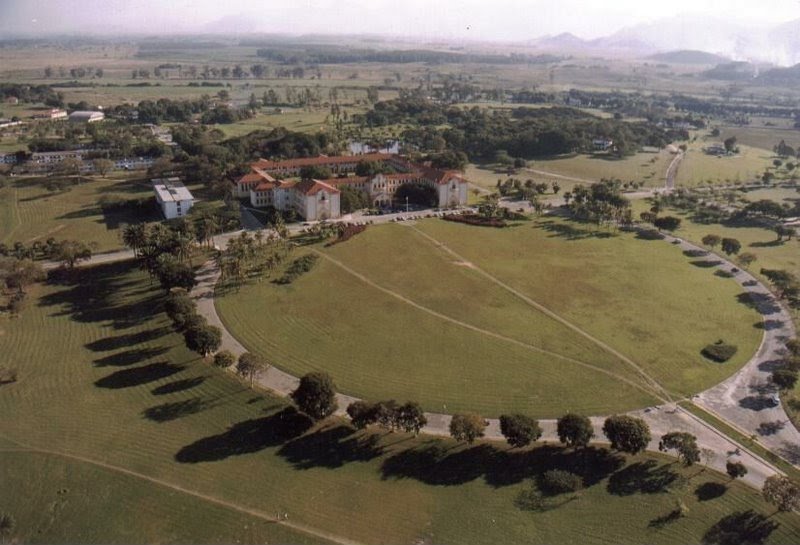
[170,430]
[392,315]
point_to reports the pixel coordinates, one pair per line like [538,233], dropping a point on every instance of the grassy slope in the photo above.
[698,168]
[355,327]
[30,212]
[95,396]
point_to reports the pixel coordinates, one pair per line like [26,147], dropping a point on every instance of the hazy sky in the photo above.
[468,19]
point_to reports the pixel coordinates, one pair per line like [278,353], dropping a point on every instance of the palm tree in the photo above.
[135,237]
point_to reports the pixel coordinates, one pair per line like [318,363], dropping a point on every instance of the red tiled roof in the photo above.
[312,187]
[345,181]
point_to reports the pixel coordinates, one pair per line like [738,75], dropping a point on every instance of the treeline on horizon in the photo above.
[310,55]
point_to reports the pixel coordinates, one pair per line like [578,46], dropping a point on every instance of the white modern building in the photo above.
[173,197]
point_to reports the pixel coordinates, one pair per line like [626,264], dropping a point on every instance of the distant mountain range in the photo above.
[682,34]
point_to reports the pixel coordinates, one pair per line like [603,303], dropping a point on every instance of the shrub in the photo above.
[719,351]
[785,379]
[346,232]
[559,481]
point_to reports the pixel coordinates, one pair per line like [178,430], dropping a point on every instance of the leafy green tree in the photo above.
[224,359]
[712,240]
[667,223]
[574,430]
[519,430]
[411,418]
[747,258]
[316,395]
[176,275]
[70,252]
[362,414]
[731,246]
[782,492]
[627,433]
[467,427]
[685,444]
[179,306]
[730,144]
[250,366]
[315,172]
[102,166]
[735,470]
[203,339]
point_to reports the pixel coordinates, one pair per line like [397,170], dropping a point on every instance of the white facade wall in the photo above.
[175,209]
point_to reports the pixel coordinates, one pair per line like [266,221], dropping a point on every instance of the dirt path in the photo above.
[211,499]
[664,394]
[486,332]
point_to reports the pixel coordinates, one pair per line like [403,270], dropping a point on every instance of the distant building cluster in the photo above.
[312,199]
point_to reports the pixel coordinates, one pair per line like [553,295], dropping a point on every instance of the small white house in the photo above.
[173,197]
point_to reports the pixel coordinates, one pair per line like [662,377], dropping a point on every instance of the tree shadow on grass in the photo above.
[139,375]
[129,357]
[331,448]
[659,522]
[706,263]
[646,477]
[769,325]
[98,294]
[761,302]
[128,339]
[433,463]
[178,386]
[740,528]
[247,437]
[756,403]
[767,244]
[710,491]
[571,232]
[174,410]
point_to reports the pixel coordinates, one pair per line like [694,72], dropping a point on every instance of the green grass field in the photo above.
[642,298]
[121,390]
[699,168]
[581,169]
[29,211]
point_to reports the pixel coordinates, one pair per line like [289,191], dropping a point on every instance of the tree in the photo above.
[730,144]
[785,379]
[782,492]
[574,430]
[731,246]
[224,359]
[467,427]
[362,414]
[712,240]
[176,275]
[316,395]
[410,418]
[70,252]
[685,444]
[747,258]
[203,339]
[668,223]
[627,433]
[250,366]
[735,470]
[70,166]
[7,525]
[519,430]
[102,166]
[179,307]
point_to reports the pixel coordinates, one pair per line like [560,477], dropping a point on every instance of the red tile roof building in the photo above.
[319,199]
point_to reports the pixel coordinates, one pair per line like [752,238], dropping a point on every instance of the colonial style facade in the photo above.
[320,199]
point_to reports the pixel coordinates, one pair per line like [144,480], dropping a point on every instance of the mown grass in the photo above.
[699,168]
[29,211]
[643,298]
[121,389]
